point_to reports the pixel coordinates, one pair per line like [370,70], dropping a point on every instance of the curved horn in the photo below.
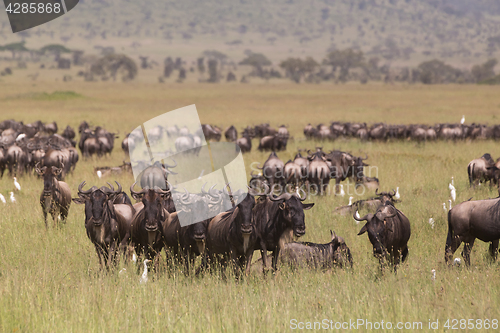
[80,188]
[376,192]
[366,157]
[393,193]
[111,186]
[364,218]
[184,198]
[119,190]
[134,193]
[203,189]
[283,196]
[300,197]
[170,166]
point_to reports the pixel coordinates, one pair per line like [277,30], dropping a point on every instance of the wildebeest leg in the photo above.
[493,250]
[466,251]
[112,253]
[248,262]
[100,254]
[276,254]
[452,244]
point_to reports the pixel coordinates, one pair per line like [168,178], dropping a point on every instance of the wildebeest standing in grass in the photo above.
[470,220]
[273,170]
[319,173]
[56,195]
[107,225]
[231,134]
[480,170]
[245,143]
[231,236]
[276,218]
[389,231]
[3,161]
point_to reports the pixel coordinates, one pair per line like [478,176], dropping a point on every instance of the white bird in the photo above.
[453,191]
[201,174]
[342,193]
[431,222]
[449,203]
[99,173]
[20,137]
[457,261]
[444,207]
[452,182]
[462,121]
[350,201]
[433,274]
[12,199]
[357,216]
[134,258]
[397,196]
[16,184]
[2,198]
[144,276]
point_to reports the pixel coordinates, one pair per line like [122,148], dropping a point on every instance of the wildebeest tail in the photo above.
[470,171]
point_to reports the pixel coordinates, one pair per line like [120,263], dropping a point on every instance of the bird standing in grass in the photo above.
[431,222]
[462,121]
[342,193]
[453,191]
[350,201]
[16,184]
[449,203]
[444,207]
[99,173]
[12,198]
[2,198]
[144,276]
[357,216]
[397,196]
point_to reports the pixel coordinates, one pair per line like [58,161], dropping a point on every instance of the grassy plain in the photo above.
[50,279]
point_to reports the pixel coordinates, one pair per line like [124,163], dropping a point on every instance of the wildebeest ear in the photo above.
[363,230]
[332,233]
[137,197]
[79,200]
[307,206]
[41,171]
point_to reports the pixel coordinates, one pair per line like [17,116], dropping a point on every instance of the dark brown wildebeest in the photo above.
[69,134]
[470,220]
[317,256]
[58,158]
[232,236]
[17,160]
[388,231]
[310,131]
[211,133]
[273,170]
[147,224]
[231,134]
[272,142]
[293,174]
[276,218]
[283,132]
[50,128]
[108,225]
[3,161]
[128,144]
[156,175]
[245,143]
[478,170]
[56,195]
[303,163]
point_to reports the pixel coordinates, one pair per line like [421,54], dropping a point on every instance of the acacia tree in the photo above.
[14,48]
[257,61]
[484,71]
[297,68]
[344,60]
[112,65]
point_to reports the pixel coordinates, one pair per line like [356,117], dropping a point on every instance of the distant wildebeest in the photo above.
[273,170]
[50,128]
[56,195]
[108,225]
[109,171]
[211,133]
[3,161]
[482,170]
[231,134]
[276,219]
[318,173]
[273,142]
[17,160]
[245,143]
[470,220]
[188,144]
[317,256]
[388,231]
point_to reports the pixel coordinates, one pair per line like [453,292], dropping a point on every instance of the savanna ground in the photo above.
[50,280]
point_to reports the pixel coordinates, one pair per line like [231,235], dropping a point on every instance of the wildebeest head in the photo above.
[152,199]
[359,167]
[341,255]
[386,196]
[292,210]
[377,227]
[49,177]
[97,201]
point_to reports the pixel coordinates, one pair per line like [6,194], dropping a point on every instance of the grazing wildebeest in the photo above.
[245,143]
[276,218]
[470,220]
[388,231]
[50,128]
[232,235]
[231,134]
[108,225]
[56,195]
[318,256]
[273,170]
[319,172]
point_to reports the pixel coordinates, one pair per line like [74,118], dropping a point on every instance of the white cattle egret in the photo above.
[462,121]
[16,184]
[99,173]
[397,196]
[431,222]
[449,203]
[20,137]
[134,258]
[342,193]
[144,276]
[433,274]
[444,207]
[457,261]
[2,198]
[357,216]
[453,191]
[350,201]
[12,199]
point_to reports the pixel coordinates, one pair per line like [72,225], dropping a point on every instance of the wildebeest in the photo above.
[3,161]
[276,218]
[245,143]
[293,174]
[211,133]
[317,256]
[108,225]
[388,231]
[273,170]
[470,220]
[17,160]
[482,170]
[319,172]
[232,235]
[56,195]
[272,142]
[106,171]
[231,134]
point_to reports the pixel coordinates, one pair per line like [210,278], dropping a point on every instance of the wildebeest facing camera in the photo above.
[26,15]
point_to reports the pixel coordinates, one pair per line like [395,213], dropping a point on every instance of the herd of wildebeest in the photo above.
[265,216]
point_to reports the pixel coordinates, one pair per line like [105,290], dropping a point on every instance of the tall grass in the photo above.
[50,280]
